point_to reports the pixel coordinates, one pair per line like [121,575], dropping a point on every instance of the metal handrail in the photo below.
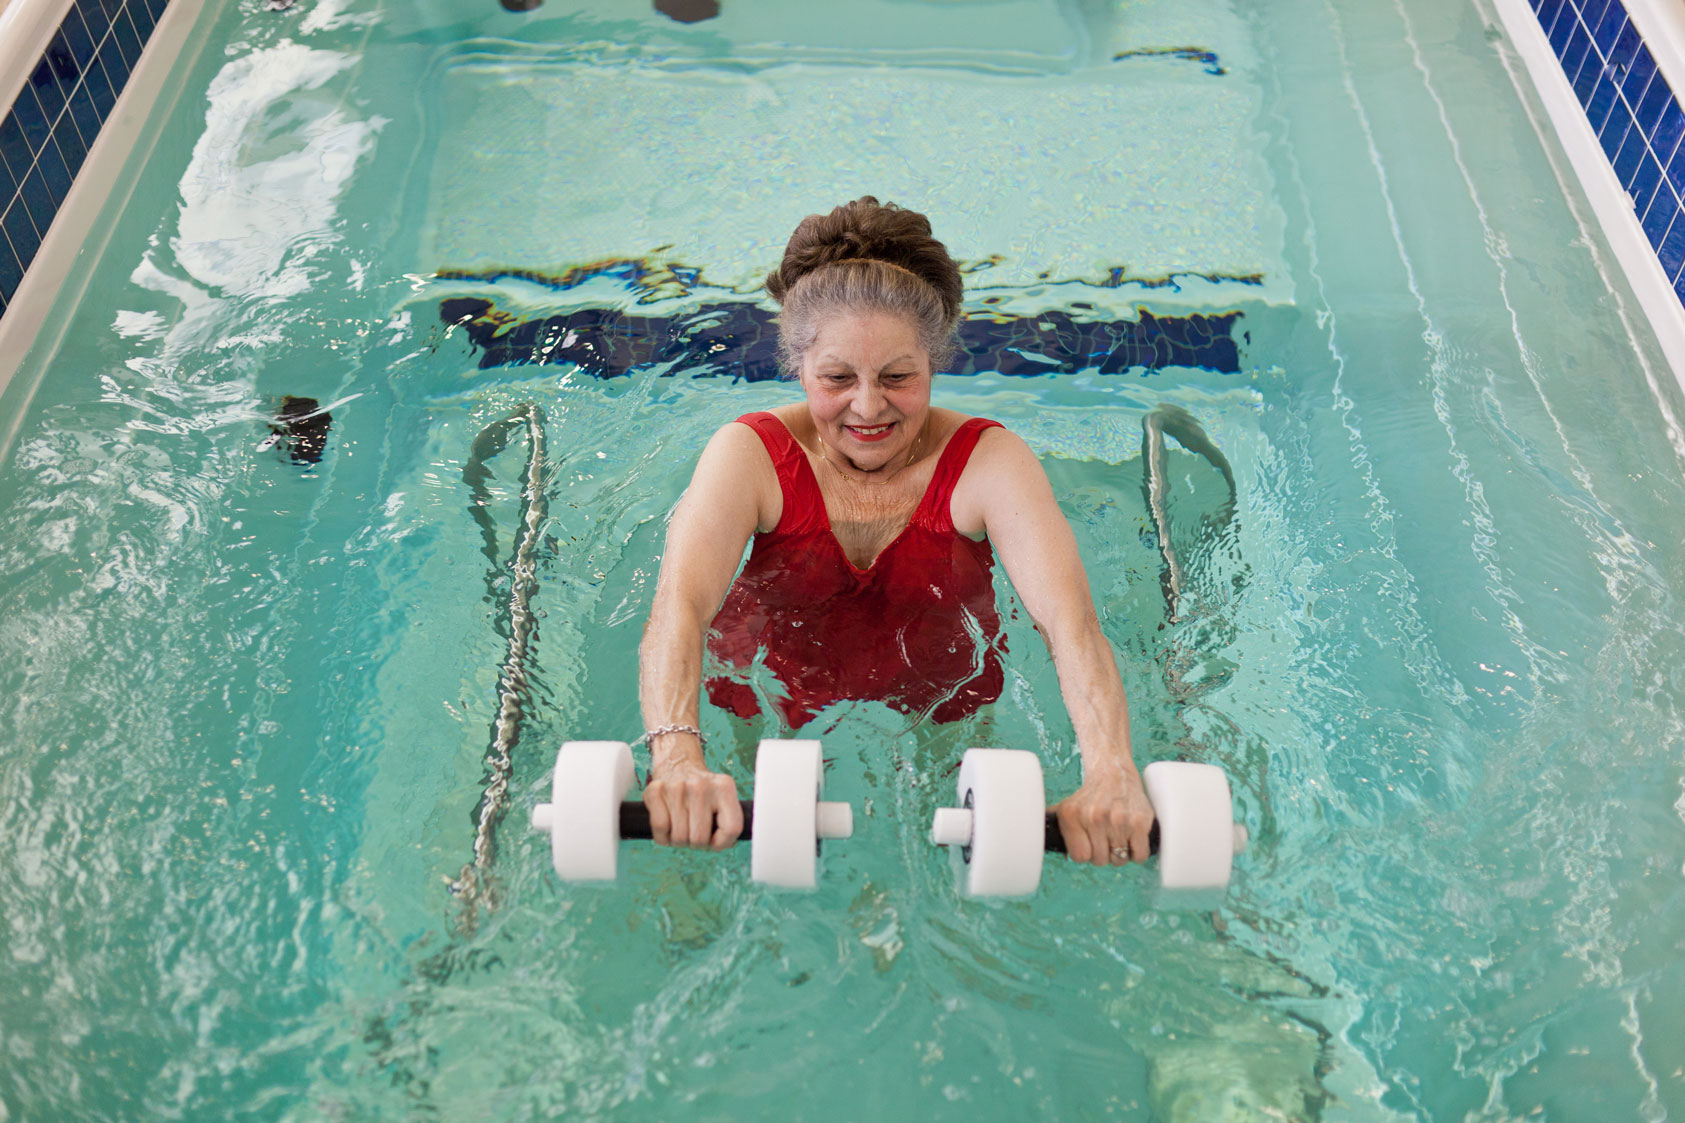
[1179,423]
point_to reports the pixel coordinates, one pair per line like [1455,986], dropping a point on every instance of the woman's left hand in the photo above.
[1105,822]
[1005,490]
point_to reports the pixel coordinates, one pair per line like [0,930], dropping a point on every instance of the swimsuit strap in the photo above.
[933,512]
[804,506]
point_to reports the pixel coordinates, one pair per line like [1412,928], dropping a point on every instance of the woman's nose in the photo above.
[867,396]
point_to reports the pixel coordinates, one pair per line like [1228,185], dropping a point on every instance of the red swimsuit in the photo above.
[917,630]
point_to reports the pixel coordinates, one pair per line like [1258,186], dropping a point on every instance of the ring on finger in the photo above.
[1120,853]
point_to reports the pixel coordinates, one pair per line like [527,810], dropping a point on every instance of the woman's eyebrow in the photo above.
[841,362]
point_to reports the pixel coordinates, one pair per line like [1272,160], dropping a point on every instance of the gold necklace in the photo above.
[912,454]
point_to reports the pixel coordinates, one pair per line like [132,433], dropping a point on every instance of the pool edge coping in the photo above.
[84,223]
[26,29]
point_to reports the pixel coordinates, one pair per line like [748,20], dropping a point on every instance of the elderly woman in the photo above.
[873,514]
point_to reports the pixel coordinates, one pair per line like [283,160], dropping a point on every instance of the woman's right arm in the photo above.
[733,492]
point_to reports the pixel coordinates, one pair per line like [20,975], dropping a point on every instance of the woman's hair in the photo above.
[865,257]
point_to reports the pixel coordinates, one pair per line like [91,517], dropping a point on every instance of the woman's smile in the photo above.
[872,433]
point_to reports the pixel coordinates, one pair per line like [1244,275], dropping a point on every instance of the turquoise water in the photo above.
[246,701]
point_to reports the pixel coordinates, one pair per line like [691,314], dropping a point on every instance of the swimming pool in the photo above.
[1439,650]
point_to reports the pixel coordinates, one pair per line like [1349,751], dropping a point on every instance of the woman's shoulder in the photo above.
[757,428]
[739,460]
[944,423]
[999,448]
[745,441]
[999,464]
[990,433]
[793,416]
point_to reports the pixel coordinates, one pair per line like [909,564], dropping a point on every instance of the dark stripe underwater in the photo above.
[739,340]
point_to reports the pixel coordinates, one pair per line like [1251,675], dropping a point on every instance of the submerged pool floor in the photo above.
[1438,650]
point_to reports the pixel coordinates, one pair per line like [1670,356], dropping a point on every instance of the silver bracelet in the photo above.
[651,734]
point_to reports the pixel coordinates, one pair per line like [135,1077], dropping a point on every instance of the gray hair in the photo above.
[864,285]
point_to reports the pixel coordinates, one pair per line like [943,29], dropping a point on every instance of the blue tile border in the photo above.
[45,134]
[1635,113]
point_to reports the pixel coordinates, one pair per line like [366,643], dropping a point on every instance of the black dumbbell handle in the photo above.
[634,824]
[1054,839]
[634,820]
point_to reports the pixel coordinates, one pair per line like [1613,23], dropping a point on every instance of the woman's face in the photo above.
[867,378]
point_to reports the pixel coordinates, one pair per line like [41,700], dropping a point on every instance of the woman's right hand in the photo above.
[691,806]
[733,493]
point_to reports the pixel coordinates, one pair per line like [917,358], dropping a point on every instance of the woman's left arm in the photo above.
[1005,490]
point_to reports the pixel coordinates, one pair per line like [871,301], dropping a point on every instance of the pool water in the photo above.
[1438,649]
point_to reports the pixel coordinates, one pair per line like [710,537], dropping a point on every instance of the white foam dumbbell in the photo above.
[588,815]
[1003,826]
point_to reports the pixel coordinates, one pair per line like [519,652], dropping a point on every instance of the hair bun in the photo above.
[866,230]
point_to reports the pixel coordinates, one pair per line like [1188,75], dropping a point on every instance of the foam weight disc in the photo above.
[784,849]
[1008,821]
[590,781]
[1196,832]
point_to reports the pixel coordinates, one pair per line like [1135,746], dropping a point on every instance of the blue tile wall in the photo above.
[46,133]
[1634,112]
